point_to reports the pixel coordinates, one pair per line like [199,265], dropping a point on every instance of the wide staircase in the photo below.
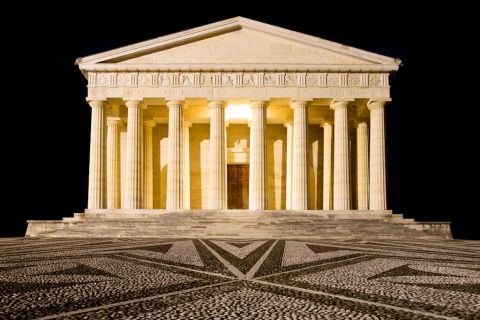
[240,224]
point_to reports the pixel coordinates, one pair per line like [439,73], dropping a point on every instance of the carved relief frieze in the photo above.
[145,79]
[291,79]
[249,80]
[374,80]
[354,80]
[312,80]
[333,80]
[236,79]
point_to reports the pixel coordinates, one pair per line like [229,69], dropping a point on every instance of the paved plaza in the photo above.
[238,279]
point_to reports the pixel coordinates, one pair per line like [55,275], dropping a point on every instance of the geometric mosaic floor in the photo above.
[50,278]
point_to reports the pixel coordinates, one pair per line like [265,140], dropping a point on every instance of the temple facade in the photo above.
[238,129]
[237,114]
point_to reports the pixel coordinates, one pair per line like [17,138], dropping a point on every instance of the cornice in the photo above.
[113,67]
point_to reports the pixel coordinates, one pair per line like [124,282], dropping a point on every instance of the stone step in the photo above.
[238,224]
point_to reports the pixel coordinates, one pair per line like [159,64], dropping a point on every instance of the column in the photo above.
[134,156]
[288,191]
[341,174]
[186,164]
[96,175]
[257,194]
[300,191]
[113,163]
[175,156]
[217,193]
[327,166]
[148,165]
[362,166]
[378,185]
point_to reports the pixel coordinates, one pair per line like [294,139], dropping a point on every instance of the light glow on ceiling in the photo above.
[238,112]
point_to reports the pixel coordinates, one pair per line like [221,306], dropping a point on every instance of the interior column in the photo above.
[186,164]
[288,180]
[148,167]
[327,166]
[362,166]
[113,163]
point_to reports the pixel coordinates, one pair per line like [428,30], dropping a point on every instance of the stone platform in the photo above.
[311,224]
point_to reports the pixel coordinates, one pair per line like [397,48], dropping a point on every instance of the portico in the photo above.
[152,160]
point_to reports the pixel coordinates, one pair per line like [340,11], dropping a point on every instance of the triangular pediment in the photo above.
[245,46]
[237,43]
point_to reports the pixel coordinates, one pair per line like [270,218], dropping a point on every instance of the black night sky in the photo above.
[430,123]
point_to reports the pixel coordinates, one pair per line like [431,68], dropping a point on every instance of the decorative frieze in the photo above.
[333,80]
[236,79]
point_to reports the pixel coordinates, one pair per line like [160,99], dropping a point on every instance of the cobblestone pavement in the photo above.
[51,278]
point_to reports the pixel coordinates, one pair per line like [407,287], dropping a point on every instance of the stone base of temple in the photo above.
[311,224]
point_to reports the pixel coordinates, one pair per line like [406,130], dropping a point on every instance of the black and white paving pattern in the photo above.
[50,278]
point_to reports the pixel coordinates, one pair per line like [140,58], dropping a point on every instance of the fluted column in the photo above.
[362,166]
[175,156]
[258,157]
[186,164]
[300,190]
[288,189]
[148,165]
[378,183]
[96,175]
[217,193]
[341,176]
[327,166]
[134,156]
[113,163]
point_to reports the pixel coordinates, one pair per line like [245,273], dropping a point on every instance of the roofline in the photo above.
[112,67]
[225,26]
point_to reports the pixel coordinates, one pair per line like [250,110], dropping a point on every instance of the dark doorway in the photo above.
[237,186]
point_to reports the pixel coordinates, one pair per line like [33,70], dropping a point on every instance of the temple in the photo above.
[237,119]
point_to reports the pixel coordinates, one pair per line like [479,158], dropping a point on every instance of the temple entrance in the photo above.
[237,186]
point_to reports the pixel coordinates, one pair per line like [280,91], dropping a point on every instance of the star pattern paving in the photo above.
[50,278]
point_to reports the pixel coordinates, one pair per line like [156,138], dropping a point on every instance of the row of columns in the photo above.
[371,178]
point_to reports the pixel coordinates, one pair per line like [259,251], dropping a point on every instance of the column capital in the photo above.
[288,123]
[149,123]
[114,121]
[362,123]
[134,103]
[217,103]
[175,103]
[299,103]
[96,103]
[326,122]
[339,104]
[377,103]
[258,103]
[187,124]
